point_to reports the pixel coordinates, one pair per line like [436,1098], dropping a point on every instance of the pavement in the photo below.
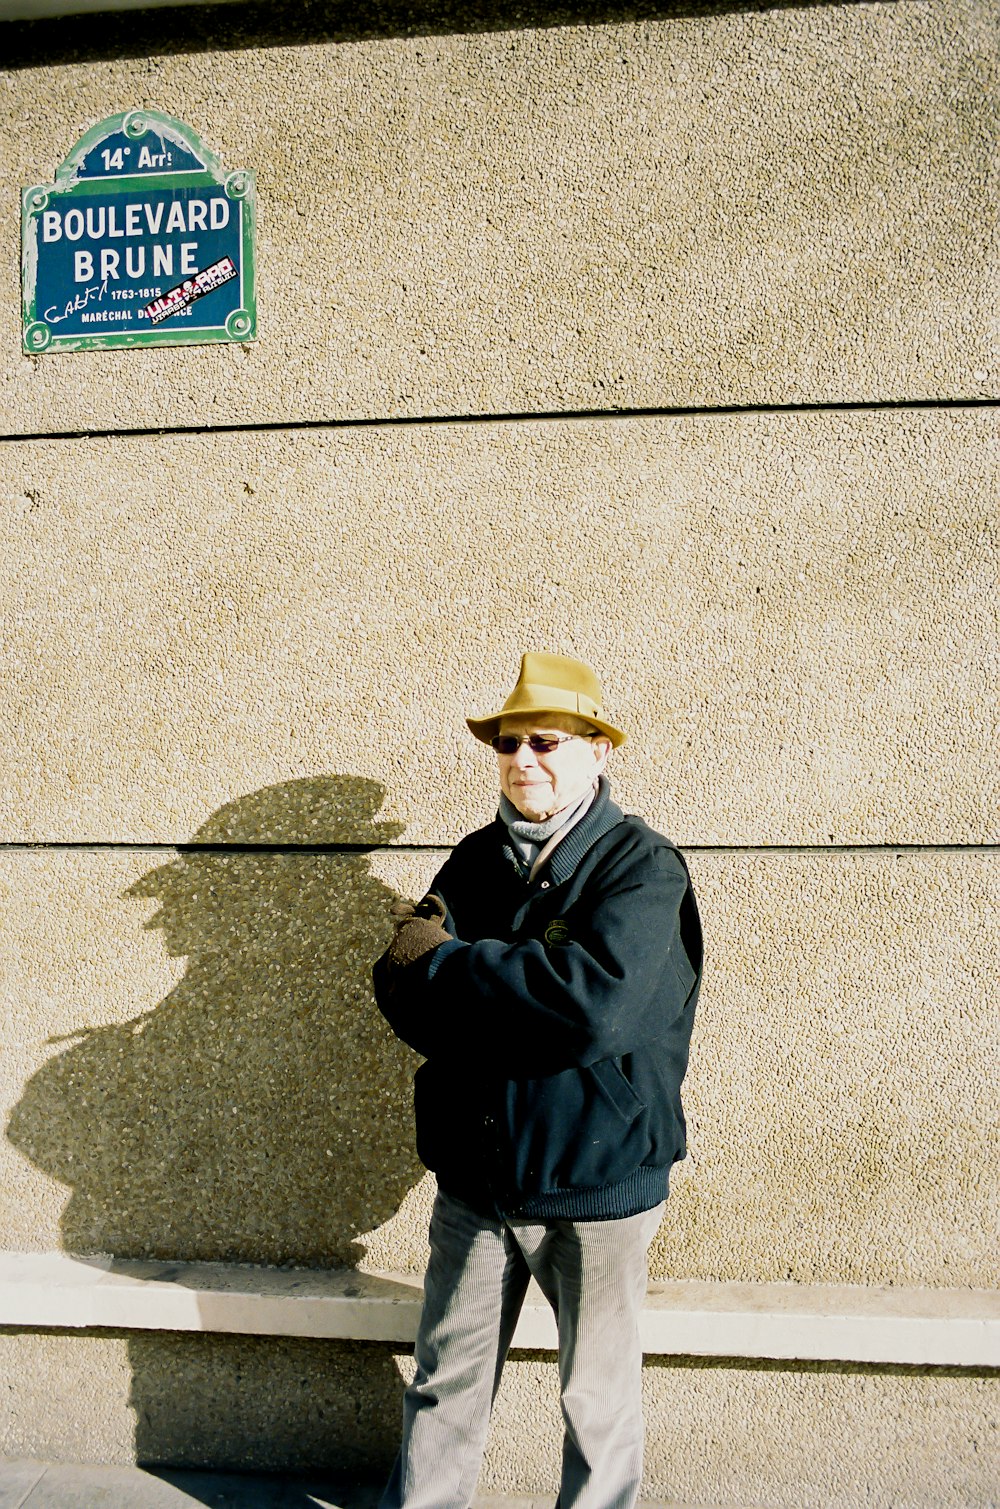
[62,1485]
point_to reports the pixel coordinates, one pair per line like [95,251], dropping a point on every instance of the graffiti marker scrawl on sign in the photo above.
[143,239]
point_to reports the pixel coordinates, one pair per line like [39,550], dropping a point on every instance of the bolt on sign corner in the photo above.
[144,239]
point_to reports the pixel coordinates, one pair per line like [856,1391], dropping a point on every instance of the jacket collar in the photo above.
[600,818]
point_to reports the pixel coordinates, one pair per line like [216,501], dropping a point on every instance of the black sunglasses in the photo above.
[508,744]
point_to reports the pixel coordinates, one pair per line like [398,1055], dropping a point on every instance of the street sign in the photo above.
[144,239]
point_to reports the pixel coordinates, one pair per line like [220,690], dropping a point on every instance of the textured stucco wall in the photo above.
[271,635]
[221,1086]
[787,205]
[795,615]
[723,1435]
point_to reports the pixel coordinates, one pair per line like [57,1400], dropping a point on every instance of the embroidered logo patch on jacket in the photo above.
[557,932]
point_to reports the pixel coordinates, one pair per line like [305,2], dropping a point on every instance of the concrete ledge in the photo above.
[815,1322]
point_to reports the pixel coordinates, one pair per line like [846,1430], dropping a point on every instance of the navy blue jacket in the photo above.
[556,1026]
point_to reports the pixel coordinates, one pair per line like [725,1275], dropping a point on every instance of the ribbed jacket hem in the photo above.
[643,1189]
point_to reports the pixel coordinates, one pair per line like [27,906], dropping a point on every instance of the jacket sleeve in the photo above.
[619,981]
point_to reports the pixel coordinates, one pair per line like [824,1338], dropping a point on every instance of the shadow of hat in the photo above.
[208,894]
[315,810]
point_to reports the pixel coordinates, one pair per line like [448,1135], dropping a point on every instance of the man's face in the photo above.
[539,785]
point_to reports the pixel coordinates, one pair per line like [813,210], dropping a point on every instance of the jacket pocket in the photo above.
[614,1088]
[579,1129]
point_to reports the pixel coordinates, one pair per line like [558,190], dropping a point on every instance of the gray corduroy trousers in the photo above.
[593,1274]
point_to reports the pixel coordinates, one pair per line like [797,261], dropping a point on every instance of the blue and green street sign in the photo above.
[144,239]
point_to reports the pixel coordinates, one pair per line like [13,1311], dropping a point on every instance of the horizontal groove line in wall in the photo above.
[145,846]
[542,416]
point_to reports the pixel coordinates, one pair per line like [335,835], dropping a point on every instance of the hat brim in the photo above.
[486,728]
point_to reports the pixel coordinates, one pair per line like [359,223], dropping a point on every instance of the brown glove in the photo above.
[418,930]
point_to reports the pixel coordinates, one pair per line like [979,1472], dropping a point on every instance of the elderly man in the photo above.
[549,977]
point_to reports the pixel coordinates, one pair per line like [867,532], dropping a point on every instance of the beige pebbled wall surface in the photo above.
[793,205]
[795,617]
[254,621]
[194,1066]
[721,1435]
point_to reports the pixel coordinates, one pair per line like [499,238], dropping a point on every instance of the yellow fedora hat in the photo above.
[551,684]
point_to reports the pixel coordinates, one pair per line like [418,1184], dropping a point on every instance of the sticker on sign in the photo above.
[192,288]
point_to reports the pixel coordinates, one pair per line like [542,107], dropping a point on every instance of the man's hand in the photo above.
[419,930]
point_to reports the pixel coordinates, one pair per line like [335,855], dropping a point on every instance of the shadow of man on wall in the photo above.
[260,1113]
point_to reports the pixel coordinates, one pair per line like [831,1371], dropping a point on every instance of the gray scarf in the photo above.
[528,839]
